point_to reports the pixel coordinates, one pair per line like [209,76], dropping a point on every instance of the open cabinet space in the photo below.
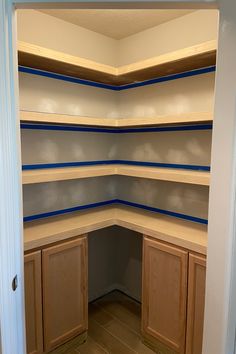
[116,134]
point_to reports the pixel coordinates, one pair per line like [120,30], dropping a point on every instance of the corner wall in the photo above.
[75,40]
[44,30]
[115,262]
[185,31]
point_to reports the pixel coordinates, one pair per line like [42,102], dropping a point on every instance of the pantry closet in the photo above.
[116,131]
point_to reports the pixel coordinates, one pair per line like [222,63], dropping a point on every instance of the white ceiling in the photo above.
[117,24]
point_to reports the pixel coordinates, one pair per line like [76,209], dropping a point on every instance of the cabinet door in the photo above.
[196,303]
[64,291]
[164,297]
[33,303]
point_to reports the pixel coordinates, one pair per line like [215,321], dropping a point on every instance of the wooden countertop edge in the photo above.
[64,235]
[138,122]
[55,56]
[117,217]
[174,240]
[156,173]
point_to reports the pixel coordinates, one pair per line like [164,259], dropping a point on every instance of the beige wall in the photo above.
[190,94]
[184,31]
[46,197]
[115,262]
[50,32]
[176,197]
[128,260]
[193,94]
[102,248]
[43,94]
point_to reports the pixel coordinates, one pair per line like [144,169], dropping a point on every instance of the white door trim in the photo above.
[220,311]
[11,241]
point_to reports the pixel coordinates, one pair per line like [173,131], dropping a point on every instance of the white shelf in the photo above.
[166,174]
[157,173]
[186,234]
[190,58]
[54,118]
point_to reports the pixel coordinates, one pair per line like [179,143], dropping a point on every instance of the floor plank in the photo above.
[107,340]
[69,347]
[114,328]
[90,347]
[99,314]
[118,329]
[121,311]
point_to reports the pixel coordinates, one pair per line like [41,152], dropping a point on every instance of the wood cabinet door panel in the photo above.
[33,303]
[196,304]
[164,294]
[64,291]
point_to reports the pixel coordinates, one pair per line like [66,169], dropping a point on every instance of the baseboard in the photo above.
[109,290]
[99,294]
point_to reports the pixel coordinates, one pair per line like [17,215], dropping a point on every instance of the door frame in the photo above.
[220,310]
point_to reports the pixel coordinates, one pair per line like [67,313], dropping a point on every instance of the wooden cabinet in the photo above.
[164,299]
[64,291]
[173,296]
[33,303]
[196,302]
[59,311]
[166,273]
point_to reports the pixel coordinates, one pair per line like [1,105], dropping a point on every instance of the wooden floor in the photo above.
[114,328]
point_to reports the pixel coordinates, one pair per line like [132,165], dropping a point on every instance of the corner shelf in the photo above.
[37,57]
[191,58]
[166,174]
[54,118]
[190,235]
[185,234]
[68,173]
[186,59]
[65,119]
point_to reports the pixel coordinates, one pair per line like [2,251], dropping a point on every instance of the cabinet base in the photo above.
[71,344]
[156,346]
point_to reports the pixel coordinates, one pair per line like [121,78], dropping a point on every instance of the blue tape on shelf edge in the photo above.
[68,164]
[53,127]
[28,70]
[113,162]
[66,128]
[116,201]
[163,211]
[75,80]
[170,77]
[67,210]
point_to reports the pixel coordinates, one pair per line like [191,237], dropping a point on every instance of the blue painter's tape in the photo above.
[66,128]
[169,78]
[162,211]
[68,210]
[167,128]
[118,130]
[115,201]
[113,162]
[24,69]
[68,164]
[164,165]
[113,87]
